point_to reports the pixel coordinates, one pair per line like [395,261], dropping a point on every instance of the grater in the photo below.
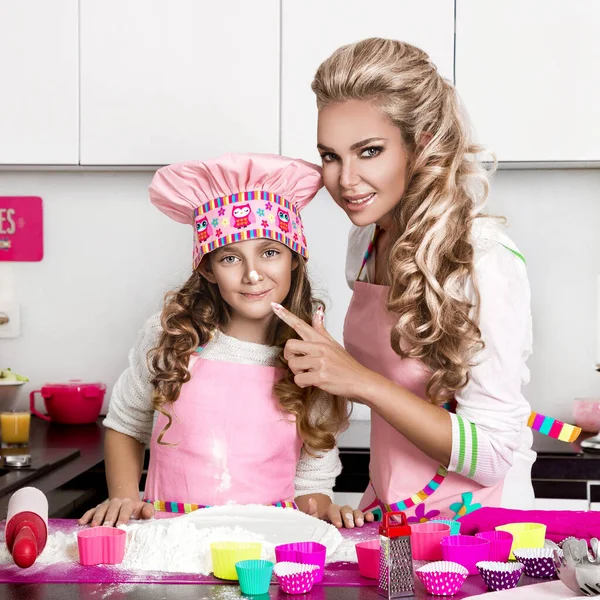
[395,558]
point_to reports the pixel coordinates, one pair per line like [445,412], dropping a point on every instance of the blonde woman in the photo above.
[439,327]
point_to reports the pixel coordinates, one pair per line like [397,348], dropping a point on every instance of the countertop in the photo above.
[88,470]
[473,586]
[74,482]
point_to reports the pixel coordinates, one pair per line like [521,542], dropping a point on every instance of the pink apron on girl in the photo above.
[234,442]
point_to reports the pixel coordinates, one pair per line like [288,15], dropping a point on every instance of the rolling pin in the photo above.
[26,525]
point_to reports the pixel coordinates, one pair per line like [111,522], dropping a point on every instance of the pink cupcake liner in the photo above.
[500,544]
[368,558]
[442,578]
[500,575]
[425,540]
[295,578]
[538,562]
[466,550]
[307,553]
[101,545]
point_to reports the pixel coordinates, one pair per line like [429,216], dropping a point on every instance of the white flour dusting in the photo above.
[182,544]
[60,547]
[222,475]
[178,546]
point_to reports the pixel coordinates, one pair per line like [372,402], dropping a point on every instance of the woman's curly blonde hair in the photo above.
[430,253]
[190,315]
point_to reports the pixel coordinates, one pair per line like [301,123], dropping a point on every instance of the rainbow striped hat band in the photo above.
[247,216]
[238,197]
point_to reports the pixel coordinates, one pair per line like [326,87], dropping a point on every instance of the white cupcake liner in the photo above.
[285,568]
[494,565]
[525,553]
[443,566]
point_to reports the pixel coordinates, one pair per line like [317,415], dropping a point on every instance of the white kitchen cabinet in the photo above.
[529,74]
[166,81]
[312,30]
[39,82]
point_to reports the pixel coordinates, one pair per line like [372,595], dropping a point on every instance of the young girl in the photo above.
[232,426]
[439,327]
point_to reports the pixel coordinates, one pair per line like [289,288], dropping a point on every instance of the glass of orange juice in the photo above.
[14,427]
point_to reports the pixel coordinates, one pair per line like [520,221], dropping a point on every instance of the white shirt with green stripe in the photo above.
[490,438]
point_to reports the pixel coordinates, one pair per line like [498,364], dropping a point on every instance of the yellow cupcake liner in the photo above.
[525,535]
[225,554]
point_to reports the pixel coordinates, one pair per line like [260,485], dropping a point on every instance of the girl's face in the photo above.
[250,275]
[364,160]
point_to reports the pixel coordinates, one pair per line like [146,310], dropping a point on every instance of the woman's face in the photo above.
[364,160]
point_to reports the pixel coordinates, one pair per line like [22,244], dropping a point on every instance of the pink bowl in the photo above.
[71,403]
[466,550]
[368,558]
[500,544]
[425,540]
[306,553]
[101,545]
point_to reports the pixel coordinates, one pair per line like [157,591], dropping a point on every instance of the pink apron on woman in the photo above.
[402,477]
[234,442]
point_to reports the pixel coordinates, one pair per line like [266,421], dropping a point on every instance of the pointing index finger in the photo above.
[304,330]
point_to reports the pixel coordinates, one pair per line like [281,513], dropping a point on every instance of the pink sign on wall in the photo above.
[21,228]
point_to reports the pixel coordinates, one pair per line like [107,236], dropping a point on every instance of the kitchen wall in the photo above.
[110,256]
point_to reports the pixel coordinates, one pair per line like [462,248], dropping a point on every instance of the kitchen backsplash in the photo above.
[110,256]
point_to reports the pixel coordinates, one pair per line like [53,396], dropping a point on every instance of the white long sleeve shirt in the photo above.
[131,412]
[490,437]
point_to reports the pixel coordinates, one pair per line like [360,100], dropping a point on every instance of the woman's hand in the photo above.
[117,511]
[318,360]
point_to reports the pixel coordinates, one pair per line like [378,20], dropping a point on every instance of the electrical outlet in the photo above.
[9,320]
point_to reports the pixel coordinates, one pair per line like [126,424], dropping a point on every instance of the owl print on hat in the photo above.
[203,229]
[242,216]
[283,220]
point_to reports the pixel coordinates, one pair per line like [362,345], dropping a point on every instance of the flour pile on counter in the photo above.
[182,544]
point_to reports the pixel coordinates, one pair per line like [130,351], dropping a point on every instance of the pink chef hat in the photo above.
[238,197]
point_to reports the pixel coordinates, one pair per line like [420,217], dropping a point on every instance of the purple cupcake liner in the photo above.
[538,562]
[500,576]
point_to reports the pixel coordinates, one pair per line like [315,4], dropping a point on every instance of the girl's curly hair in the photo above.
[190,315]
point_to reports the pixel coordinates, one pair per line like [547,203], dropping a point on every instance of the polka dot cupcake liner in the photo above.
[500,575]
[442,578]
[538,562]
[295,578]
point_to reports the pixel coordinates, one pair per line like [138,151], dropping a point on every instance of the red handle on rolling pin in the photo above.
[25,548]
